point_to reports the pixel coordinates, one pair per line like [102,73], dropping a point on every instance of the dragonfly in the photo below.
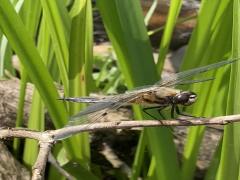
[157,96]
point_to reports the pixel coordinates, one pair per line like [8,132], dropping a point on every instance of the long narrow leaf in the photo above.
[229,163]
[23,44]
[36,122]
[174,10]
[59,30]
[80,60]
[205,46]
[124,23]
[31,21]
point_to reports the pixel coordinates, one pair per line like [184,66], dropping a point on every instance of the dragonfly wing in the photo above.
[96,112]
[178,78]
[88,99]
[88,118]
[94,108]
[81,99]
[194,81]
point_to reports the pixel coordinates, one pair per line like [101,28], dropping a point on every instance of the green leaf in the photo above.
[58,22]
[231,145]
[174,10]
[5,49]
[210,41]
[19,39]
[124,23]
[5,57]
[80,65]
[139,156]
[213,167]
[76,8]
[36,122]
[31,20]
[150,12]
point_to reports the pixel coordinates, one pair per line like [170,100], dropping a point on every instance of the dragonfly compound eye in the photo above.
[186,98]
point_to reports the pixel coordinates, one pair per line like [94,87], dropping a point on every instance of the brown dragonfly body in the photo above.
[165,97]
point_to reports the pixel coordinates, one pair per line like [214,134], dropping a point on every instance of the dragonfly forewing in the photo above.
[178,78]
[99,110]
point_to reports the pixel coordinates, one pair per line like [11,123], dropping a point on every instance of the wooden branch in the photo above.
[55,163]
[71,130]
[20,133]
[48,138]
[38,169]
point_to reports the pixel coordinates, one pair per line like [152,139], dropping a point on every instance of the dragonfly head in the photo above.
[185,98]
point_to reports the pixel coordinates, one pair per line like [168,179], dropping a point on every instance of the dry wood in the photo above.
[48,138]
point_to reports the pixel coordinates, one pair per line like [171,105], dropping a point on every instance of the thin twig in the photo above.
[56,164]
[48,138]
[38,169]
[45,145]
[71,130]
[20,133]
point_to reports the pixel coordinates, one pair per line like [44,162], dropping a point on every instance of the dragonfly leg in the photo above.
[188,115]
[183,114]
[159,109]
[173,110]
[159,112]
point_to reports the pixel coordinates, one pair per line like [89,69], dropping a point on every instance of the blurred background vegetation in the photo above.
[77,47]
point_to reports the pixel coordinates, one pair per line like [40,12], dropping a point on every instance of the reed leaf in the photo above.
[135,59]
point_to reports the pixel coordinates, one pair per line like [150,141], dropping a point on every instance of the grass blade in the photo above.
[231,144]
[59,30]
[206,45]
[19,39]
[139,156]
[23,45]
[31,20]
[150,12]
[36,122]
[136,62]
[168,30]
[5,57]
[80,65]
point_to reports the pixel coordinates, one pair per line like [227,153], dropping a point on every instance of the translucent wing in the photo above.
[99,110]
[81,99]
[176,79]
[101,107]
[89,99]
[195,81]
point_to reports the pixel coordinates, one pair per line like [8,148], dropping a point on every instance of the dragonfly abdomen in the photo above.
[149,99]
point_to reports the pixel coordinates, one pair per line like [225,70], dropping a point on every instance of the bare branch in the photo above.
[56,164]
[48,138]
[20,133]
[71,130]
[38,169]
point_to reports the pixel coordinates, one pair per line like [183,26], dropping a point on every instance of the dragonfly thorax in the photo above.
[185,98]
